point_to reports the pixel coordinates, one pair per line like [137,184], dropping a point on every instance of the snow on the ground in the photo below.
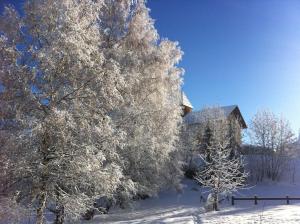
[169,207]
[261,214]
[185,207]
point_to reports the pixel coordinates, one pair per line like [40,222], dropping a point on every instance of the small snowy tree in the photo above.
[222,172]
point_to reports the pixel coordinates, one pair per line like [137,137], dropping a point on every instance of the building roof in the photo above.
[185,100]
[228,109]
[200,116]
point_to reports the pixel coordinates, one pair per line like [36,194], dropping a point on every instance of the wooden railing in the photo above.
[255,199]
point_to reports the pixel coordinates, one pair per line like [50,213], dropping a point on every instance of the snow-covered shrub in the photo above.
[270,166]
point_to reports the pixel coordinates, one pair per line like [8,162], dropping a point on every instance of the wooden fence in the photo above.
[256,199]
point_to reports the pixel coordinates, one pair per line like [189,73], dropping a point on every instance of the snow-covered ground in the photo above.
[186,207]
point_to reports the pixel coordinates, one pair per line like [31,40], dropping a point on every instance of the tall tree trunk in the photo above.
[60,210]
[42,197]
[215,203]
[60,216]
[41,207]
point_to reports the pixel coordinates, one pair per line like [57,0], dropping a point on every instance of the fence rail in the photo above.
[256,199]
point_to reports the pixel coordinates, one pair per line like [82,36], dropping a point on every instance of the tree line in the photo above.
[91,116]
[89,106]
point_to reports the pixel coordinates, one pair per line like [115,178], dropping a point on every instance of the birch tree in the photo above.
[272,135]
[58,92]
[92,94]
[151,113]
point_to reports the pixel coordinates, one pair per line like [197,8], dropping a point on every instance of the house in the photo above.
[196,134]
[230,112]
[196,126]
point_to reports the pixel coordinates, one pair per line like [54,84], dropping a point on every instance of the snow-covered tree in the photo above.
[151,114]
[222,173]
[58,90]
[270,132]
[272,135]
[90,96]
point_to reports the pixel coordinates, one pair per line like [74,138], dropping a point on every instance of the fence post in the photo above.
[255,200]
[232,200]
[287,200]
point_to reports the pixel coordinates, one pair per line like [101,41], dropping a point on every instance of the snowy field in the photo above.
[171,207]
[187,208]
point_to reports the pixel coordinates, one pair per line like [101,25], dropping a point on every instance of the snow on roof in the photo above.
[228,109]
[185,101]
[199,116]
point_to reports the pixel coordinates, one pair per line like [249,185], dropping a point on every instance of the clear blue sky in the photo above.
[236,51]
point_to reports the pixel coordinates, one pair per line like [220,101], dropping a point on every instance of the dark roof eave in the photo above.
[243,122]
